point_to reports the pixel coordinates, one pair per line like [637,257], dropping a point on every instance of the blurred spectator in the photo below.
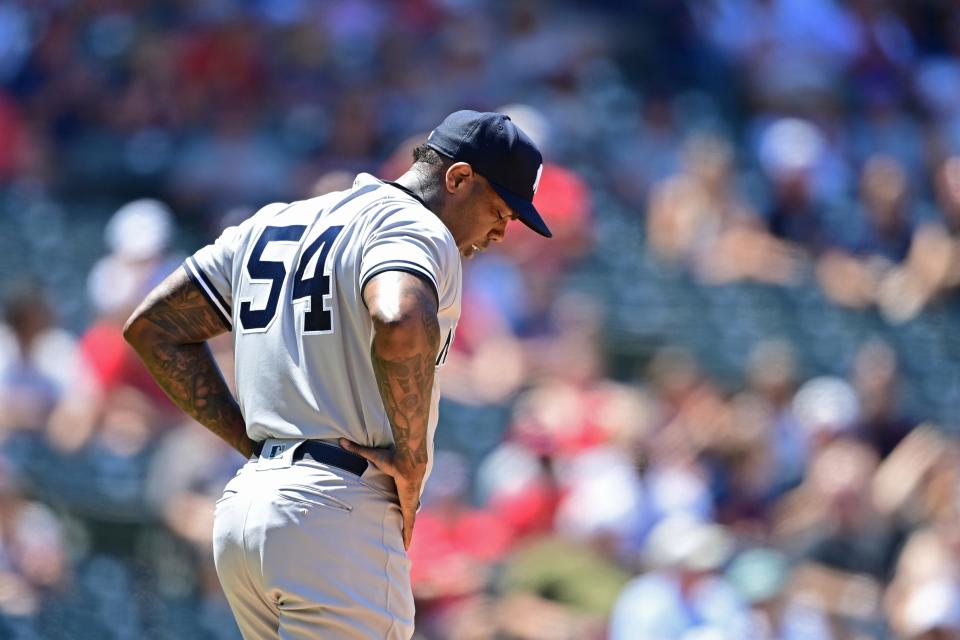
[603,499]
[791,51]
[138,236]
[851,271]
[845,545]
[919,483]
[691,409]
[831,519]
[38,360]
[603,502]
[697,219]
[827,408]
[550,423]
[186,474]
[644,150]
[761,577]
[683,591]
[555,588]
[876,377]
[796,157]
[772,378]
[929,271]
[33,553]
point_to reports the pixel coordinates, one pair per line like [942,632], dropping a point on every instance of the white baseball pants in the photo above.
[306,550]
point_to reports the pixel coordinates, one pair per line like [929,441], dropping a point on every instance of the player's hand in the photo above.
[408,484]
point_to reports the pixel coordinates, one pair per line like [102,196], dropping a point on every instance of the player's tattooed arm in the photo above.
[406,382]
[406,339]
[169,331]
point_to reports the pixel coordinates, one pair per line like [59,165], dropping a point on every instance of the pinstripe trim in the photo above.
[209,291]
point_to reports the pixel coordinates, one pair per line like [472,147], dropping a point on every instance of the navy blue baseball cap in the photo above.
[499,151]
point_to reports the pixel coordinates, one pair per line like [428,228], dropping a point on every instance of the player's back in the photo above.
[302,332]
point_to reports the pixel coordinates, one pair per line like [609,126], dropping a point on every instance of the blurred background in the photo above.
[721,404]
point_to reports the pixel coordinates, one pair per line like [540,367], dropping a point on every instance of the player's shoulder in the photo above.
[394,210]
[400,215]
[270,211]
[288,213]
[261,217]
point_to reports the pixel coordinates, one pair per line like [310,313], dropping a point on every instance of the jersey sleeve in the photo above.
[212,267]
[406,241]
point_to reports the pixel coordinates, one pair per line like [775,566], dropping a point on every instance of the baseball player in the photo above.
[342,307]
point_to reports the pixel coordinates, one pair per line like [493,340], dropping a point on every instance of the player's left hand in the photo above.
[408,487]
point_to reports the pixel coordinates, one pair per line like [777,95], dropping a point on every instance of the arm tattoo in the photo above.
[169,332]
[406,386]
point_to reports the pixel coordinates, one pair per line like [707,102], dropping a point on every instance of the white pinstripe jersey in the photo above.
[288,281]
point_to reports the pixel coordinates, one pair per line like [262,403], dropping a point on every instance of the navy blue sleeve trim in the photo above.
[213,290]
[414,272]
[216,301]
[387,264]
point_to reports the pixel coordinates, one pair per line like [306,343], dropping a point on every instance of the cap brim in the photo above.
[524,209]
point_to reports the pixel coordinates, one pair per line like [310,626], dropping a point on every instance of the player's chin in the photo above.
[474,249]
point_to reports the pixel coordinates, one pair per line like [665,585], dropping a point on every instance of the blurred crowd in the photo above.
[721,403]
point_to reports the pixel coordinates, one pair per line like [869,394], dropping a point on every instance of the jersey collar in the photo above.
[407,191]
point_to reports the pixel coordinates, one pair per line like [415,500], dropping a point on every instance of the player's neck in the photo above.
[428,194]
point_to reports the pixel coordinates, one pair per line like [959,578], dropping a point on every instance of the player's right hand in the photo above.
[408,485]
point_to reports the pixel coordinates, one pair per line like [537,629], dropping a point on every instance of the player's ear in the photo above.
[458,175]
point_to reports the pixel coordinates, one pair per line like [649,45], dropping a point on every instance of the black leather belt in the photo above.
[327,454]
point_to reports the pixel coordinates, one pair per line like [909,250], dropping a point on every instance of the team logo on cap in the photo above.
[536,182]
